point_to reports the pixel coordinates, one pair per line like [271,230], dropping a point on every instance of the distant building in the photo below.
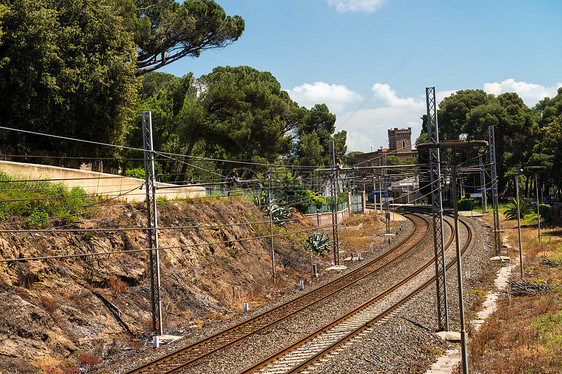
[379,184]
[399,145]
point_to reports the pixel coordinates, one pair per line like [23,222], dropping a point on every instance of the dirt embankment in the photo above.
[59,315]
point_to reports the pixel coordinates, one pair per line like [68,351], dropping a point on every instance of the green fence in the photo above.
[356,206]
[356,203]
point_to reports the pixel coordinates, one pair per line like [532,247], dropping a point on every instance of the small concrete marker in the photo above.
[501,259]
[450,336]
[301,285]
[155,342]
[370,248]
[246,307]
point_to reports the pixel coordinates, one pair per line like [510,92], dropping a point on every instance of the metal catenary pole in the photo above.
[536,169]
[495,200]
[152,222]
[437,210]
[516,177]
[459,274]
[271,230]
[483,184]
[456,144]
[538,206]
[334,194]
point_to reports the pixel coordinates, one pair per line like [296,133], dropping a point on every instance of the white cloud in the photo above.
[440,95]
[335,96]
[367,6]
[388,95]
[368,129]
[531,93]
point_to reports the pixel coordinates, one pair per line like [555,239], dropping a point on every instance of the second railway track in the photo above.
[193,353]
[188,357]
[305,352]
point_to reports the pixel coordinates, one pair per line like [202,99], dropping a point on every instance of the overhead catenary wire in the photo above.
[237,190]
[375,91]
[92,254]
[161,153]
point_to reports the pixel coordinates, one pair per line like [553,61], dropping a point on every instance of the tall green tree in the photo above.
[248,115]
[516,131]
[469,113]
[453,112]
[549,109]
[320,122]
[67,67]
[166,31]
[548,152]
[3,11]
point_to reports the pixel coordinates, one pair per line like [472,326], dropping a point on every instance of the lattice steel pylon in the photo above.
[495,202]
[152,224]
[437,210]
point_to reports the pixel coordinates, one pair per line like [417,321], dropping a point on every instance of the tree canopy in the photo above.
[67,68]
[314,135]
[468,114]
[166,31]
[233,113]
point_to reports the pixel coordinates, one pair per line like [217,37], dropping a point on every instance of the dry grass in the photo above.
[48,365]
[356,236]
[116,284]
[88,359]
[525,333]
[49,303]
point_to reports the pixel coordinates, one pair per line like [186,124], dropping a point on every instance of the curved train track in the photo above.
[188,356]
[308,350]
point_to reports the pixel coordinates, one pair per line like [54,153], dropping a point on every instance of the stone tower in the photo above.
[400,140]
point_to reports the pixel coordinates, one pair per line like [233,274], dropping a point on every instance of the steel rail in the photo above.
[341,319]
[197,351]
[313,358]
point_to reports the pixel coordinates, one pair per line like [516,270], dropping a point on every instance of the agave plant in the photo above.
[278,212]
[319,242]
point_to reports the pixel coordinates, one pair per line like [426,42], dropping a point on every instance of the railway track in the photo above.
[185,357]
[306,351]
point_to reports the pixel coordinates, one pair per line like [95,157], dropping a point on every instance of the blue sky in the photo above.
[370,60]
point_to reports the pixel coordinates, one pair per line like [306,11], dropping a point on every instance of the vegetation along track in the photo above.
[182,358]
[305,352]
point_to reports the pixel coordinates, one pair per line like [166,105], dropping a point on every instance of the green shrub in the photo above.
[525,207]
[468,204]
[278,212]
[39,202]
[135,173]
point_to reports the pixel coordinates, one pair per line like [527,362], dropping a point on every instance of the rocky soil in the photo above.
[76,314]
